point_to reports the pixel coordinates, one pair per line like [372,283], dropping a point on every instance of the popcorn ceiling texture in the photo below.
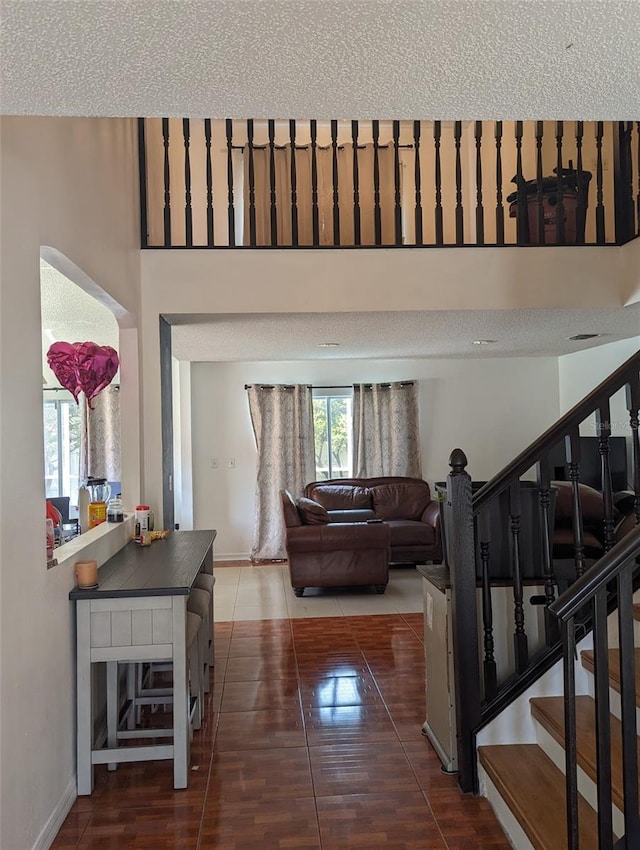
[429,59]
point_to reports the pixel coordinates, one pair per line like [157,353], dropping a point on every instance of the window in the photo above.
[61,447]
[333,433]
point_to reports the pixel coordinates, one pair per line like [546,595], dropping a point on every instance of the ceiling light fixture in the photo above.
[328,344]
[483,341]
[584,336]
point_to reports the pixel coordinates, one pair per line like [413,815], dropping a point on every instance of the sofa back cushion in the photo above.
[289,510]
[312,513]
[591,503]
[401,500]
[339,497]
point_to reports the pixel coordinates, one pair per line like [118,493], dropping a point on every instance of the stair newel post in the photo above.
[572,449]
[603,426]
[603,726]
[460,549]
[520,643]
[490,674]
[570,731]
[632,391]
[552,633]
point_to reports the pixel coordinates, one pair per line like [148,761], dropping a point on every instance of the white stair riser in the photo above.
[614,700]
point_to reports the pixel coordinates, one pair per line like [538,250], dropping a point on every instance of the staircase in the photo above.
[526,783]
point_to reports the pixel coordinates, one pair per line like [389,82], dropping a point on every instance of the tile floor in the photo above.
[311,738]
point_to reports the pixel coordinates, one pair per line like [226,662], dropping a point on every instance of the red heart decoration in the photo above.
[83,367]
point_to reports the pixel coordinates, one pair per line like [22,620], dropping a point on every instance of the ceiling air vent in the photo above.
[584,336]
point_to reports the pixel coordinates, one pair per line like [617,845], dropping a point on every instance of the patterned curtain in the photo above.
[282,419]
[386,434]
[100,435]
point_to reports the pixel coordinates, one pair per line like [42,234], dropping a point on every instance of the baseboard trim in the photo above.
[57,817]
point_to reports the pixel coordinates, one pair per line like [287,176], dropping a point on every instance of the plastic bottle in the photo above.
[142,520]
[83,509]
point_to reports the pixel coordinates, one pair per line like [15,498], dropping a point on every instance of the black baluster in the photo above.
[457,138]
[377,212]
[167,184]
[623,184]
[273,212]
[632,394]
[314,181]
[603,426]
[479,207]
[499,204]
[600,232]
[520,643]
[489,667]
[570,731]
[397,209]
[209,173]
[628,707]
[336,197]
[572,450]
[188,213]
[539,177]
[231,216]
[356,185]
[522,210]
[294,183]
[142,182]
[603,718]
[251,169]
[437,136]
[583,188]
[552,633]
[418,183]
[559,210]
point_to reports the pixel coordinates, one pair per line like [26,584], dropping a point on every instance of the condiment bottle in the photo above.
[142,520]
[115,511]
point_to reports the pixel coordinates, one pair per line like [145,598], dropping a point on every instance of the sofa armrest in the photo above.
[431,516]
[338,536]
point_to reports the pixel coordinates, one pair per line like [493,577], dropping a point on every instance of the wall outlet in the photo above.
[232,463]
[214,463]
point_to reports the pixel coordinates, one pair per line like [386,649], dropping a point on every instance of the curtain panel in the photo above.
[282,419]
[386,433]
[100,435]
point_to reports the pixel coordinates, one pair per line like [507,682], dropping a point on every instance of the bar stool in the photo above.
[199,603]
[205,581]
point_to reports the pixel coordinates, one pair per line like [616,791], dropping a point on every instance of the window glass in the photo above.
[61,448]
[332,424]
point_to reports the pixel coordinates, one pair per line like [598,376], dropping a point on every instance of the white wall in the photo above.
[581,372]
[491,408]
[69,184]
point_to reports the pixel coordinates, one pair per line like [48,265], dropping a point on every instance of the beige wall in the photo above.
[69,184]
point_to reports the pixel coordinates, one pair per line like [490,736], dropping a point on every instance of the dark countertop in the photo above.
[165,568]
[437,574]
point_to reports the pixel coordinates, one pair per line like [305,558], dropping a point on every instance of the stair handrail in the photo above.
[596,578]
[578,413]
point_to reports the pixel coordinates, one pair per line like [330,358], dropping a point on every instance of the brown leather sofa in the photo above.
[323,554]
[403,504]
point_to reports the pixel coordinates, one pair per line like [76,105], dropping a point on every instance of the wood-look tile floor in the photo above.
[311,739]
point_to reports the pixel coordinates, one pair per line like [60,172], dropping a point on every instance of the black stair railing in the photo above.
[589,597]
[505,536]
[293,183]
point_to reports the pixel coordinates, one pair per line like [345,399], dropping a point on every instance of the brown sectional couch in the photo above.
[403,504]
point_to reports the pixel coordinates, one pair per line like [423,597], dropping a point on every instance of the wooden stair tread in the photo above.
[614,668]
[534,789]
[549,711]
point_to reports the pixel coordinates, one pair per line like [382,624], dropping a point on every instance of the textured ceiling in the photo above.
[430,59]
[392,335]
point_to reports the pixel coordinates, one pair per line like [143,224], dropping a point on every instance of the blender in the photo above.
[99,492]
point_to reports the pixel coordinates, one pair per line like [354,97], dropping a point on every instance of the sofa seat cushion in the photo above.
[396,500]
[340,497]
[405,532]
[564,546]
[312,513]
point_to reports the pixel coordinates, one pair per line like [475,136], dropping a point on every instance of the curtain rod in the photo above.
[329,386]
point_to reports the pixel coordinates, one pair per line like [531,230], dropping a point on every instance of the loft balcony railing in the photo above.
[208,183]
